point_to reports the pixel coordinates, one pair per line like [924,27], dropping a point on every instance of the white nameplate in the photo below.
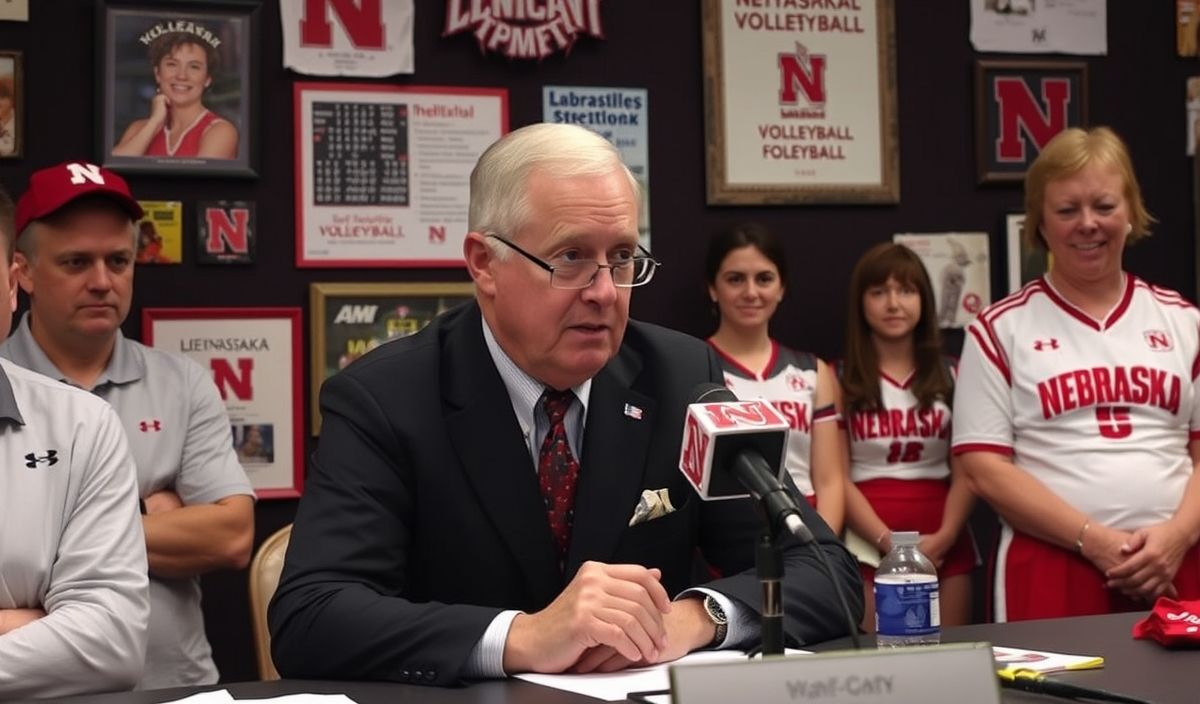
[940,674]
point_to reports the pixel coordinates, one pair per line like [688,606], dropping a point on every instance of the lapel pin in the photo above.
[633,411]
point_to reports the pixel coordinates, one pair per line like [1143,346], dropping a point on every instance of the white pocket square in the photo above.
[654,503]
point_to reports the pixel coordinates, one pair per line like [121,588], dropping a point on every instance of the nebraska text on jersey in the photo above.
[1099,409]
[1103,386]
[901,423]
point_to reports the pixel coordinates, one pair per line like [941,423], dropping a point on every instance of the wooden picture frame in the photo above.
[806,116]
[1019,107]
[12,105]
[1024,263]
[159,58]
[350,319]
[255,355]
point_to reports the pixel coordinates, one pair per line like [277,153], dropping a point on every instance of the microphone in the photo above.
[727,445]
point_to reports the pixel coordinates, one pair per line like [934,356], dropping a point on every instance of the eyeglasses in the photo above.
[580,273]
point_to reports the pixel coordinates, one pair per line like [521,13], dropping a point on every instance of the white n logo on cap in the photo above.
[82,172]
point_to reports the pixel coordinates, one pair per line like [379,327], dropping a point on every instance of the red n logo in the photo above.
[222,230]
[695,446]
[238,382]
[362,20]
[1019,113]
[802,71]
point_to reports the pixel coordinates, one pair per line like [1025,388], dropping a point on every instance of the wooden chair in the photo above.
[264,579]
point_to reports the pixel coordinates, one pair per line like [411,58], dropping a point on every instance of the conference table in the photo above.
[1135,668]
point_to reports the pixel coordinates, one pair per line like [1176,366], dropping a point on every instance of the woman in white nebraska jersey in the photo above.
[1077,415]
[897,390]
[747,274]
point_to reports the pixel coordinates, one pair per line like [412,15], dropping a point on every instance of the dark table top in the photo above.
[1132,667]
[1135,668]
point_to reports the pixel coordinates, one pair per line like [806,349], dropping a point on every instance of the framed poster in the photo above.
[226,232]
[178,86]
[351,319]
[382,171]
[959,269]
[1019,107]
[800,107]
[12,106]
[1025,263]
[160,232]
[255,358]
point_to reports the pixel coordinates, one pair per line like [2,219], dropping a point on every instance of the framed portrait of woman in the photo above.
[12,98]
[177,84]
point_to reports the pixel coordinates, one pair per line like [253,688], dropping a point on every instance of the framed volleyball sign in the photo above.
[178,86]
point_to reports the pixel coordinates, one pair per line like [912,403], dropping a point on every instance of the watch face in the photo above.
[715,612]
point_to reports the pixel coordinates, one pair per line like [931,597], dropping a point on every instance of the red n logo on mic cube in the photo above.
[715,432]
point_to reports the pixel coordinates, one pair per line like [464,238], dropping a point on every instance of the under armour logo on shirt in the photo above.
[1051,344]
[50,459]
[147,426]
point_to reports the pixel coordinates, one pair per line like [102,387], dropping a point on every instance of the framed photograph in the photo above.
[382,171]
[1025,263]
[1019,107]
[160,232]
[12,106]
[351,319]
[959,269]
[800,108]
[255,358]
[1196,214]
[178,85]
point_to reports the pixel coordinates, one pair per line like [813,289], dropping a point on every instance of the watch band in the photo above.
[712,607]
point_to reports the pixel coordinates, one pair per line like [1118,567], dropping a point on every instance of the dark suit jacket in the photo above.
[421,518]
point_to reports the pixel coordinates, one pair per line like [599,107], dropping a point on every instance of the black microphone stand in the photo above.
[768,560]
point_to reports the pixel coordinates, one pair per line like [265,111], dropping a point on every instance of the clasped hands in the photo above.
[1141,564]
[610,617]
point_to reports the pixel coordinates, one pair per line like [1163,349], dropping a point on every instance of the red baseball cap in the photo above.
[52,188]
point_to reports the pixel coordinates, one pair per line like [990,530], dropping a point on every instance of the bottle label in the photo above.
[907,609]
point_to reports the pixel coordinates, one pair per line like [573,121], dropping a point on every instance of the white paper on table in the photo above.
[616,686]
[220,696]
[303,699]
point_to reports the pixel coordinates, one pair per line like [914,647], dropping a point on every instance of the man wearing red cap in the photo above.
[76,245]
[73,588]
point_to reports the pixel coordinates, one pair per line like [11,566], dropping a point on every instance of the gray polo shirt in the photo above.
[180,438]
[71,542]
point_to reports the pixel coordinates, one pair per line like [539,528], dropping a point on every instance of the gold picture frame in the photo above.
[349,319]
[790,116]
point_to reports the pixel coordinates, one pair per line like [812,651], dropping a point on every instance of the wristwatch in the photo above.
[712,607]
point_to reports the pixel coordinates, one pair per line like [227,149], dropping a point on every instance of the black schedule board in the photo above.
[360,153]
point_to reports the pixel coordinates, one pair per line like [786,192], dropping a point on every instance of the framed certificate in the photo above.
[255,358]
[382,171]
[800,107]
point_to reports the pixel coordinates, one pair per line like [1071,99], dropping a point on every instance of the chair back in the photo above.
[264,579]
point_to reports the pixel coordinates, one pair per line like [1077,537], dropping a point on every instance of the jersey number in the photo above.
[1114,422]
[905,452]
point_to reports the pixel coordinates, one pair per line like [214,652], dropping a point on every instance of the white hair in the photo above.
[499,202]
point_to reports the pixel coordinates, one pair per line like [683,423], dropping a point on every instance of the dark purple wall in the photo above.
[1138,88]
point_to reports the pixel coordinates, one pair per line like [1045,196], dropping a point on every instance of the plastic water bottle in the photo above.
[906,596]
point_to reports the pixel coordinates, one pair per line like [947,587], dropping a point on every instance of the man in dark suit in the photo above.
[447,530]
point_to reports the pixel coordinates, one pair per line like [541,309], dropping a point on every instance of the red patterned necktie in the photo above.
[558,470]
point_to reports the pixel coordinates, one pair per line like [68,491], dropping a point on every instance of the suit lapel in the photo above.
[616,440]
[487,438]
